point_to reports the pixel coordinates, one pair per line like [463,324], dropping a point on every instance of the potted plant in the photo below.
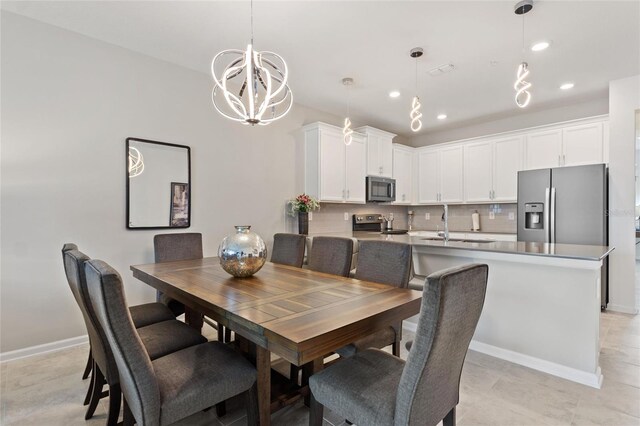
[302,205]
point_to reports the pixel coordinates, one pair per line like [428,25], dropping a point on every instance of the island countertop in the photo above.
[568,251]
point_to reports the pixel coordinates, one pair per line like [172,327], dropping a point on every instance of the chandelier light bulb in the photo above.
[253,86]
[521,86]
[347,132]
[416,115]
[136,162]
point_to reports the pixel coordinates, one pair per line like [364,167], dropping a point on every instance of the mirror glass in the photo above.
[158,185]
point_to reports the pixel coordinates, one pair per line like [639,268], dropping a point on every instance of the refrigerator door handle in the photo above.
[552,219]
[546,215]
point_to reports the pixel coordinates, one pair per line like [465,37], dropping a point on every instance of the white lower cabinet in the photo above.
[334,172]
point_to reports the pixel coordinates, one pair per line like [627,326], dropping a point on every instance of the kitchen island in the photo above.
[542,308]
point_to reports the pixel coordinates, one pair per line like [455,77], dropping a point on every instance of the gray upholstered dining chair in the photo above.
[160,338]
[331,255]
[374,387]
[182,246]
[384,262]
[165,390]
[288,249]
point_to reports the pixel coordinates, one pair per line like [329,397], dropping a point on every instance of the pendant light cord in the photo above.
[252,22]
[523,50]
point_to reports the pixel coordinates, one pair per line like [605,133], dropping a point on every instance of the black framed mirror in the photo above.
[158,176]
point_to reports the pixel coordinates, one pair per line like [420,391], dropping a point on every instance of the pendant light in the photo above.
[136,162]
[522,86]
[347,132]
[252,88]
[416,114]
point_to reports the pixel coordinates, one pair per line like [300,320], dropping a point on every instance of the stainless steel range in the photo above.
[375,222]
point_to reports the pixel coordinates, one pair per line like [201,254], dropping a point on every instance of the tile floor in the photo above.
[47,390]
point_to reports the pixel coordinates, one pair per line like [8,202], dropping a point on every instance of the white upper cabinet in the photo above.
[379,151]
[582,144]
[451,172]
[356,171]
[334,172]
[428,176]
[508,160]
[544,149]
[478,176]
[403,173]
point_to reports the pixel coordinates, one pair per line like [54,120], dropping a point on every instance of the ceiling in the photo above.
[322,42]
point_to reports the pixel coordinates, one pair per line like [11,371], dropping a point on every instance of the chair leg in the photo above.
[227,335]
[87,398]
[127,415]
[251,401]
[294,371]
[88,367]
[220,333]
[115,399]
[315,412]
[96,392]
[396,349]
[450,418]
[221,409]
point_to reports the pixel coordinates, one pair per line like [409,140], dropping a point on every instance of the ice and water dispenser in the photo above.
[533,213]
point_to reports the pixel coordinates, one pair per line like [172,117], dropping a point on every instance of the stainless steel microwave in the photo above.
[381,190]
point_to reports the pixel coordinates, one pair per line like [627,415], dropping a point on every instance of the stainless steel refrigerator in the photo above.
[565,205]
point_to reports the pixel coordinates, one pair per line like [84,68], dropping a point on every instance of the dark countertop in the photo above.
[568,251]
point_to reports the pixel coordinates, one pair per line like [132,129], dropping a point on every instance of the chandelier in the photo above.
[136,162]
[522,86]
[347,132]
[415,115]
[252,87]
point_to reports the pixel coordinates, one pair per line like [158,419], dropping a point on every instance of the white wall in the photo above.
[68,104]
[624,100]
[521,119]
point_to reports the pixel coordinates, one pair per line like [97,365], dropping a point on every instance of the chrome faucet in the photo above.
[445,218]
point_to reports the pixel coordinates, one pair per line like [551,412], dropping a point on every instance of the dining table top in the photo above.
[297,313]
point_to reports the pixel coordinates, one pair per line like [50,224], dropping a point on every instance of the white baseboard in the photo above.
[590,379]
[41,349]
[622,309]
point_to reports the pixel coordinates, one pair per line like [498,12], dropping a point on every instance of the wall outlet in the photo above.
[427,216]
[512,216]
[310,215]
[492,215]
[346,215]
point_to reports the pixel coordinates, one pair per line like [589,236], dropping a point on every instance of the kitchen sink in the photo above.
[458,240]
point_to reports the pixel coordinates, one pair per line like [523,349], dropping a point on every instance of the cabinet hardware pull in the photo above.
[559,162]
[564,161]
[348,194]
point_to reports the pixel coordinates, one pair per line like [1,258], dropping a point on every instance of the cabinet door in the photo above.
[402,173]
[507,162]
[605,142]
[428,189]
[385,156]
[478,161]
[373,150]
[332,166]
[543,149]
[356,171]
[451,174]
[582,144]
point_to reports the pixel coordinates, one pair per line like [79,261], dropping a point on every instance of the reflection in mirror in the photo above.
[158,185]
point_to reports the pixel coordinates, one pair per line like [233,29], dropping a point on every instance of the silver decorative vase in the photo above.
[243,253]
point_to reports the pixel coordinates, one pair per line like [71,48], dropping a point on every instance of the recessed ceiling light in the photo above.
[442,116]
[541,45]
[394,94]
[567,86]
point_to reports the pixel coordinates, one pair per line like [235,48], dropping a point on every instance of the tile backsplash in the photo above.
[330,219]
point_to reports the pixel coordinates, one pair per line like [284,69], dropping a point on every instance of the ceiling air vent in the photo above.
[442,69]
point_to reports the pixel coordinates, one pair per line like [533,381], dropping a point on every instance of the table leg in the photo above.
[263,365]
[193,318]
[308,370]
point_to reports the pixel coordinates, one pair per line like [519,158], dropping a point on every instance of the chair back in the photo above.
[182,246]
[288,249]
[331,255]
[451,305]
[137,378]
[100,351]
[384,262]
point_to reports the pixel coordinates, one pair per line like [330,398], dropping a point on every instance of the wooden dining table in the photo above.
[298,314]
